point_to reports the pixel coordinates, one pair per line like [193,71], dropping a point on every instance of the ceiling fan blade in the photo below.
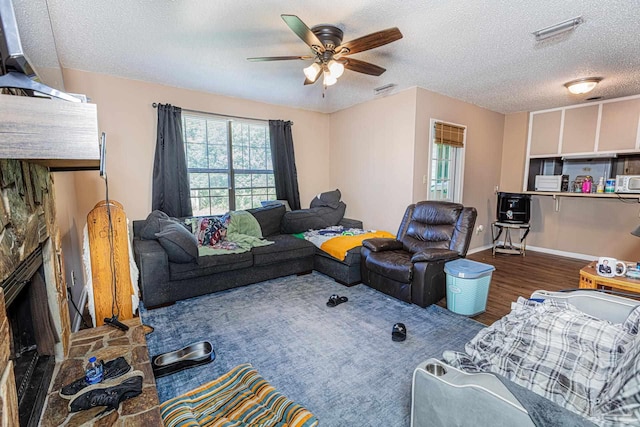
[302,31]
[279,58]
[363,67]
[369,41]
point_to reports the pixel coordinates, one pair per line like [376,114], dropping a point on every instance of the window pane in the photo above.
[219,180]
[196,155]
[243,180]
[198,181]
[195,130]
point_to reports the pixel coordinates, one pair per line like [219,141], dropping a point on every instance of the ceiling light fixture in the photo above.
[580,86]
[557,29]
[329,80]
[312,71]
[336,68]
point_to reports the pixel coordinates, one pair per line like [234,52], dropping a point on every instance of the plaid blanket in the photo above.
[552,349]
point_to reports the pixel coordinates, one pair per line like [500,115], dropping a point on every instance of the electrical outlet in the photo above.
[424,179]
[73,278]
[480,229]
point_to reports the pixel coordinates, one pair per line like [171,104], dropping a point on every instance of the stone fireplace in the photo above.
[30,254]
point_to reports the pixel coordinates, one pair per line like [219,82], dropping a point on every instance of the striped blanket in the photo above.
[239,398]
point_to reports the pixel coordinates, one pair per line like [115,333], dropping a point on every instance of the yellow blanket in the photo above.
[338,246]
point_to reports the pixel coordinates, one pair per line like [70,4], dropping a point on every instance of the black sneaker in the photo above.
[112,369]
[110,396]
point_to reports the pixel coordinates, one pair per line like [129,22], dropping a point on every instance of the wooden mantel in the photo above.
[59,134]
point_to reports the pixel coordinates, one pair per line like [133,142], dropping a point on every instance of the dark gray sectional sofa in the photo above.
[163,282]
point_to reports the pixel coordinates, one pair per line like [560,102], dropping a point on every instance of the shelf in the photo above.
[591,195]
[557,195]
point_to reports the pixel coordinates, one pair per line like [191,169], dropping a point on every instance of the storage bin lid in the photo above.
[467,269]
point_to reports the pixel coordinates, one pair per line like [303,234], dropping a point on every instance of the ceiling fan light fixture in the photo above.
[329,80]
[336,68]
[312,71]
[581,86]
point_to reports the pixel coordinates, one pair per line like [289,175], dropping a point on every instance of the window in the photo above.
[229,163]
[447,160]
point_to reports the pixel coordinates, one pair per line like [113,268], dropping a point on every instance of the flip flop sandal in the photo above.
[335,300]
[399,332]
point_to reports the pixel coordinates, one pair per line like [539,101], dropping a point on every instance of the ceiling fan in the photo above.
[329,54]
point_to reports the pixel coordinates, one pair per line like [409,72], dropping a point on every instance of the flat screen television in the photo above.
[15,70]
[11,53]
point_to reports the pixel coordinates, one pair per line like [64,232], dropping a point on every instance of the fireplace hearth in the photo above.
[32,334]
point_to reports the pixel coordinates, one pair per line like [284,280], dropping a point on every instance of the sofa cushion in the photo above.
[180,245]
[395,265]
[285,248]
[152,225]
[269,218]
[312,219]
[210,264]
[328,198]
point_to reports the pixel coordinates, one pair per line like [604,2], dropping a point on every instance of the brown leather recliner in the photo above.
[411,266]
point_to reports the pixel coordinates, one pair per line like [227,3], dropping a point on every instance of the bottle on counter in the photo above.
[586,185]
[600,187]
[94,371]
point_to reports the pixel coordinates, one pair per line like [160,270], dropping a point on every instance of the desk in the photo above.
[507,246]
[590,279]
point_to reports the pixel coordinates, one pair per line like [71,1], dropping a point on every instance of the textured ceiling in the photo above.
[481,52]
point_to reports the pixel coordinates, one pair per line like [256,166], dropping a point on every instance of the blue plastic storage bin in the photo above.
[467,286]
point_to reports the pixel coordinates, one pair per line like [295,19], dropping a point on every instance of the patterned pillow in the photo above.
[209,230]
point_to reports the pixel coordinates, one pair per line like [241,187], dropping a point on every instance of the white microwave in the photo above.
[628,184]
[549,182]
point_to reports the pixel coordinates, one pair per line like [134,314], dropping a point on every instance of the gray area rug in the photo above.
[340,362]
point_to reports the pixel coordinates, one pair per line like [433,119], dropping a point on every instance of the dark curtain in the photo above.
[170,177]
[284,162]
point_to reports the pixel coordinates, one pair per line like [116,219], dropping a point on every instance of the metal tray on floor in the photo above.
[195,354]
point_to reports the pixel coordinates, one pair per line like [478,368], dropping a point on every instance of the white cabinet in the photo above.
[619,126]
[579,130]
[611,126]
[545,133]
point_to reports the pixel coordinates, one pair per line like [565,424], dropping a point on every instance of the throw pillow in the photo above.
[152,224]
[209,230]
[312,219]
[328,198]
[180,245]
[269,218]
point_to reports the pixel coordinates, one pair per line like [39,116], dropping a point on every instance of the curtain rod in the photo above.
[155,105]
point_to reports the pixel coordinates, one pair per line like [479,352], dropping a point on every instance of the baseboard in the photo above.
[479,249]
[575,255]
[565,254]
[77,320]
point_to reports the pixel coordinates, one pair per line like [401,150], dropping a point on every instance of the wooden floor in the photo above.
[517,275]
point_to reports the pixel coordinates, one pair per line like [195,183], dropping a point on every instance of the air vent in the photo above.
[384,90]
[594,98]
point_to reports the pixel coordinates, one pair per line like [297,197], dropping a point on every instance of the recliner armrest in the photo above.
[379,244]
[434,255]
